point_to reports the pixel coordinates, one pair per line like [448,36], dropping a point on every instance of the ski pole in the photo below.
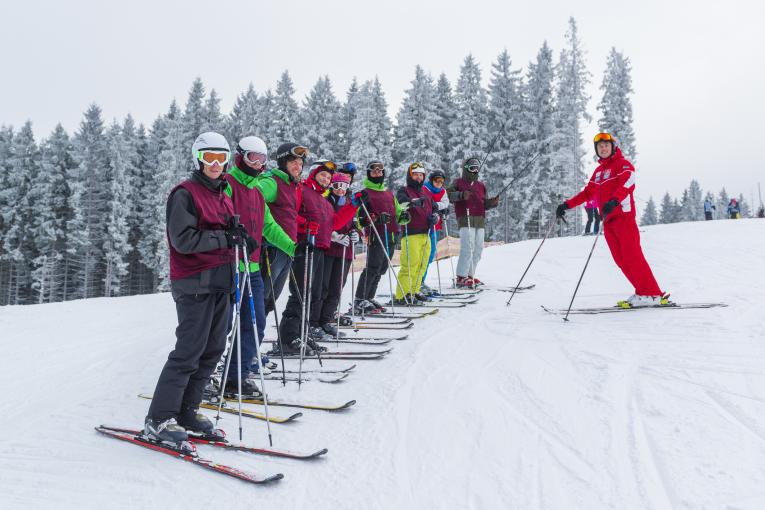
[340,297]
[520,173]
[308,294]
[385,244]
[276,316]
[390,270]
[304,315]
[408,261]
[449,252]
[353,282]
[234,329]
[434,239]
[549,229]
[583,270]
[257,345]
[471,271]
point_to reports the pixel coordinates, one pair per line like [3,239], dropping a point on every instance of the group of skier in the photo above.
[283,227]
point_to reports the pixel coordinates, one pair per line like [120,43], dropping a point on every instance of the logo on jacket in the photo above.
[607,174]
[597,177]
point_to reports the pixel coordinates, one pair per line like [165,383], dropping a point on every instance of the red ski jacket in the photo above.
[614,178]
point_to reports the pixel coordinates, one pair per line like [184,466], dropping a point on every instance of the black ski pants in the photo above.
[201,339]
[592,215]
[376,266]
[291,320]
[335,275]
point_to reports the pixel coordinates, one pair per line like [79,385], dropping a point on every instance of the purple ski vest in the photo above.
[284,208]
[419,215]
[476,201]
[379,202]
[214,210]
[315,207]
[335,249]
[250,205]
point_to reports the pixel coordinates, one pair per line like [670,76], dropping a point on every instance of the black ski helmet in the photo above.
[436,173]
[471,165]
[289,150]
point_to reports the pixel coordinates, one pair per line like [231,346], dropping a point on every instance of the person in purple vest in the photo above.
[415,245]
[387,215]
[316,221]
[470,200]
[279,187]
[339,256]
[249,204]
[201,239]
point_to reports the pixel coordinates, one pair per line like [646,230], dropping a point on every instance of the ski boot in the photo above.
[165,431]
[249,388]
[198,424]
[331,329]
[379,308]
[317,334]
[422,298]
[345,320]
[364,307]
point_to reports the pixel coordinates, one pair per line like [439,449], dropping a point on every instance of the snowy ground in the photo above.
[483,407]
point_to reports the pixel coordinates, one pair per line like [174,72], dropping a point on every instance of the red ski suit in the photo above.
[614,178]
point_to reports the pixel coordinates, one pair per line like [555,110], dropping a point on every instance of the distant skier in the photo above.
[591,207]
[201,239]
[734,209]
[612,185]
[708,208]
[470,205]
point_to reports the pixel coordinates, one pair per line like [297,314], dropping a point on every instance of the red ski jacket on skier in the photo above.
[614,178]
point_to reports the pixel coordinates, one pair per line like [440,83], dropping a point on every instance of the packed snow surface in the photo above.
[481,407]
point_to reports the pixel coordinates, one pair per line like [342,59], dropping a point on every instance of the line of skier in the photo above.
[238,232]
[235,230]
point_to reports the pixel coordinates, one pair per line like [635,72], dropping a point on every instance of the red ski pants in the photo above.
[623,240]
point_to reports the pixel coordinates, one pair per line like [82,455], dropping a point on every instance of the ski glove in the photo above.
[312,228]
[359,198]
[466,194]
[610,206]
[404,217]
[560,212]
[433,219]
[418,202]
[493,202]
[384,218]
[364,219]
[404,206]
[340,239]
[353,236]
[235,235]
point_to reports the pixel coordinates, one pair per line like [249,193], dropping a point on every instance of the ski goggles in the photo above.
[603,137]
[340,185]
[472,165]
[255,157]
[417,168]
[329,165]
[298,152]
[211,157]
[377,168]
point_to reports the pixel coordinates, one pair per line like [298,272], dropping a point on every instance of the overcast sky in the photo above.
[697,68]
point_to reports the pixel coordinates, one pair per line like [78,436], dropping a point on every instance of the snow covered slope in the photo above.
[481,407]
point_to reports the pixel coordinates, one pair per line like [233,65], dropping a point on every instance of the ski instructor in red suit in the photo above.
[611,186]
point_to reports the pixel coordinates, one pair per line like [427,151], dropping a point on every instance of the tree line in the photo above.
[83,214]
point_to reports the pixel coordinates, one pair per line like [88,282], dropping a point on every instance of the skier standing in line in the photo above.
[386,214]
[316,221]
[591,208]
[415,244]
[201,238]
[470,205]
[612,185]
[339,256]
[254,215]
[734,210]
[437,192]
[279,187]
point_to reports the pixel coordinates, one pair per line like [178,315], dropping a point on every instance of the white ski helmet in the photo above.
[210,141]
[252,144]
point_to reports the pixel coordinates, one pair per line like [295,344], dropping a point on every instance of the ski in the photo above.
[321,370]
[249,414]
[612,309]
[403,315]
[353,340]
[514,289]
[189,455]
[330,379]
[443,304]
[334,356]
[465,295]
[220,442]
[372,320]
[372,325]
[447,302]
[316,406]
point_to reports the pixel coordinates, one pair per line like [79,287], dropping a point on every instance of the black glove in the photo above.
[444,212]
[610,206]
[432,219]
[561,210]
[384,218]
[417,202]
[404,217]
[235,235]
[251,243]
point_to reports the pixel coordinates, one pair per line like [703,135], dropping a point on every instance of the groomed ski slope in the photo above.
[482,407]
